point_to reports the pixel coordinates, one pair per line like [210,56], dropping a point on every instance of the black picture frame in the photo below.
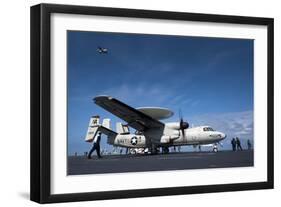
[41,99]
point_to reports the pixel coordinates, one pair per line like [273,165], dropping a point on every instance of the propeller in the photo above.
[183,125]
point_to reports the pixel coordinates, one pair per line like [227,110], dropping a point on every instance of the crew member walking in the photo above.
[96,146]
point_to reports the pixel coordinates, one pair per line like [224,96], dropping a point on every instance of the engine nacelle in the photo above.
[173,125]
[178,125]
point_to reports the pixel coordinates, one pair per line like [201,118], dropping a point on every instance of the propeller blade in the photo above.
[183,125]
[183,133]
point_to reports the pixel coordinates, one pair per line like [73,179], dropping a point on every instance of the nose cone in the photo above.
[223,136]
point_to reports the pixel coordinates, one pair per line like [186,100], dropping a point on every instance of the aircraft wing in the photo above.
[133,117]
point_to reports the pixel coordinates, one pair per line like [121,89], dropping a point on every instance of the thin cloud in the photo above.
[234,124]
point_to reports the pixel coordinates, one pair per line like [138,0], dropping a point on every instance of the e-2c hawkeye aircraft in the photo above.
[150,131]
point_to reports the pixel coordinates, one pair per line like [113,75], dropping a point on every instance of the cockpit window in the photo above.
[205,129]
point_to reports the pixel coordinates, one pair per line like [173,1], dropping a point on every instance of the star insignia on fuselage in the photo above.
[134,140]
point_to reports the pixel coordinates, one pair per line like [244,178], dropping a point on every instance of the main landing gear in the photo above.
[155,150]
[165,150]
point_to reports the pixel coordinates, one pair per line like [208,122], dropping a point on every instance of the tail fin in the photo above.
[94,127]
[106,123]
[122,128]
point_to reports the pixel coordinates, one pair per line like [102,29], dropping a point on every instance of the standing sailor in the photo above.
[238,144]
[249,144]
[233,143]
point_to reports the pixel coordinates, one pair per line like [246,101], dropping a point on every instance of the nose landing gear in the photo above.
[215,148]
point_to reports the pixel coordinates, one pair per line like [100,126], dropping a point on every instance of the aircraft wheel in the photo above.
[215,150]
[154,150]
[165,150]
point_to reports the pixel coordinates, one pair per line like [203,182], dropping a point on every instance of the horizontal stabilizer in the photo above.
[106,131]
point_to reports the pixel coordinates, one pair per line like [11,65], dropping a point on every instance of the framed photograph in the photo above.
[132,103]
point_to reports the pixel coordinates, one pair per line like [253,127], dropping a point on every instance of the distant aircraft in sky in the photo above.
[102,50]
[150,132]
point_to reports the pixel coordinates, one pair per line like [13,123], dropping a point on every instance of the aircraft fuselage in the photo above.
[170,136]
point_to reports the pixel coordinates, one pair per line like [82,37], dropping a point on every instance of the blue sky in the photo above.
[209,79]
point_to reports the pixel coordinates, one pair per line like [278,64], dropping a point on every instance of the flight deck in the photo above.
[78,165]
